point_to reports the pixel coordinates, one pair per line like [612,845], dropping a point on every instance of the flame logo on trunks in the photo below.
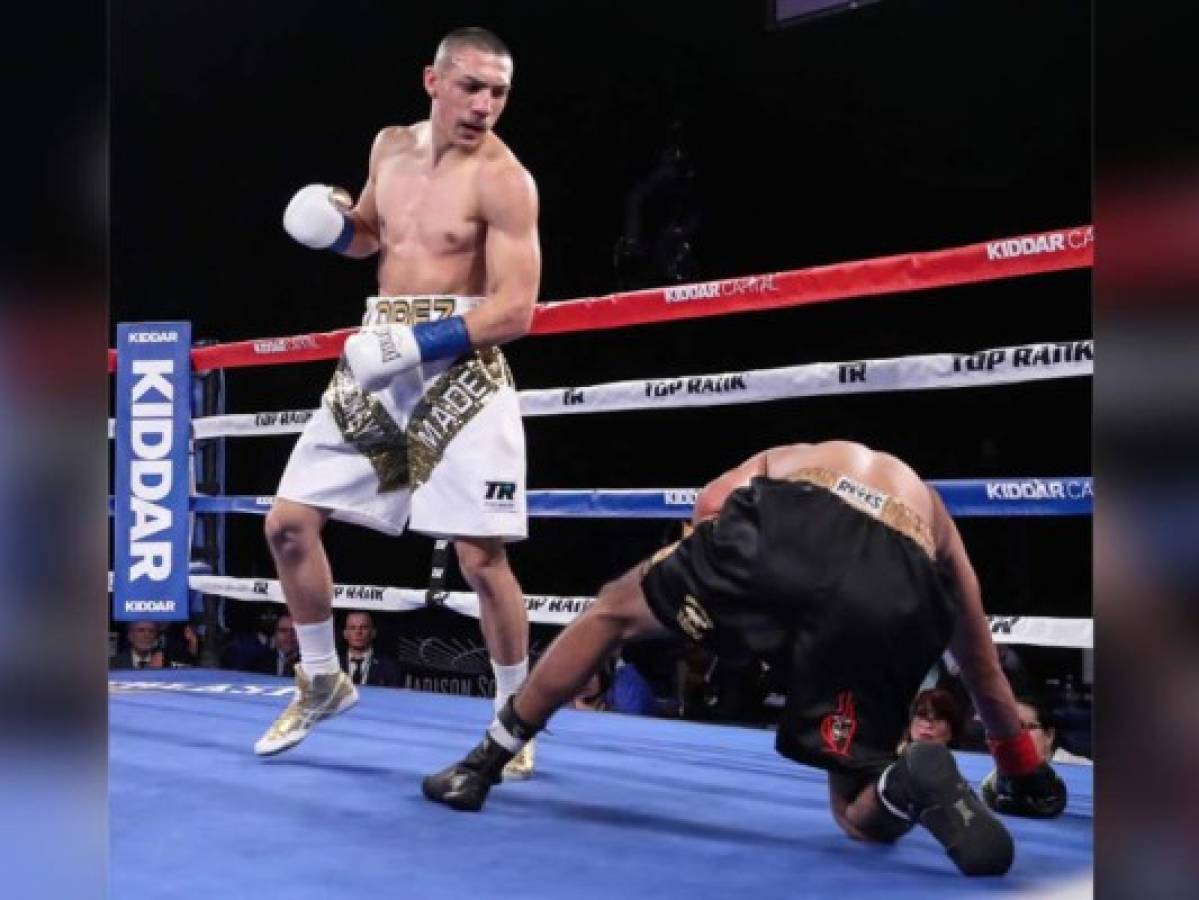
[838,728]
[693,619]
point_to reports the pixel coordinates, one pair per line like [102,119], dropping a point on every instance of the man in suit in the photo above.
[286,653]
[143,652]
[360,660]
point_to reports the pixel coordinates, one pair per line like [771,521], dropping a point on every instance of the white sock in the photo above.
[505,738]
[507,680]
[318,651]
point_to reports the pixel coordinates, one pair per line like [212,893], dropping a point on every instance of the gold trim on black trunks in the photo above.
[894,513]
[693,619]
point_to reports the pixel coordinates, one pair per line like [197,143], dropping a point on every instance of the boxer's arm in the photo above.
[322,217]
[971,643]
[1023,783]
[508,201]
[715,492]
[364,215]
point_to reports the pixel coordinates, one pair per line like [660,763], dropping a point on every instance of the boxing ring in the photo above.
[619,806]
[649,807]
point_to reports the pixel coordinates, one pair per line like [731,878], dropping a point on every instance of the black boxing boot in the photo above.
[465,784]
[925,786]
[1039,794]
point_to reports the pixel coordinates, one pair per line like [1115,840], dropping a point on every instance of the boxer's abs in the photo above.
[452,273]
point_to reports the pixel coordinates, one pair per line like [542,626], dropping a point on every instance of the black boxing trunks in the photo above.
[830,579]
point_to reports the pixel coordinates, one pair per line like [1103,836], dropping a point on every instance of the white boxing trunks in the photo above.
[440,450]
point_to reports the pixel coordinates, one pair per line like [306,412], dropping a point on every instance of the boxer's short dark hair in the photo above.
[479,38]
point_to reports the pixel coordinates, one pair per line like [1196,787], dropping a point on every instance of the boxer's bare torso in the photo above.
[428,214]
[876,470]
[449,208]
[872,468]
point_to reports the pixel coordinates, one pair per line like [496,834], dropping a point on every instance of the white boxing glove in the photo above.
[315,221]
[378,354]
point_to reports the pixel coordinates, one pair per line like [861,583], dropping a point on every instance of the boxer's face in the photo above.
[469,91]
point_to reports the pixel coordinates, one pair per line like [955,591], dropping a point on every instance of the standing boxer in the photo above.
[420,426]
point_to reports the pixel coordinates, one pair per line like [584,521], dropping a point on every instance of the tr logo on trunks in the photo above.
[838,728]
[501,490]
[857,494]
[411,310]
[693,619]
[499,496]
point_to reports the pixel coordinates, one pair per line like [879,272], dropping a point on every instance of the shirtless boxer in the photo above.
[838,565]
[420,426]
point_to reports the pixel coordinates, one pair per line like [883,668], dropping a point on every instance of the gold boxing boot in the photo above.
[317,697]
[520,767]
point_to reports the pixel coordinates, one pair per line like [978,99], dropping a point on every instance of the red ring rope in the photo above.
[1032,254]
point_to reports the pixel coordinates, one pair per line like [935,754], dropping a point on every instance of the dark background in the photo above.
[907,125]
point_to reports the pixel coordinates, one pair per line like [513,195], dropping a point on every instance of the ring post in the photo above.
[208,542]
[153,425]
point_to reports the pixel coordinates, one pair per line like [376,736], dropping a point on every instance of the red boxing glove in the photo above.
[1023,784]
[1016,755]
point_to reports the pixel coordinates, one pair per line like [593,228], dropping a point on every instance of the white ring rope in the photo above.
[996,365]
[545,609]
